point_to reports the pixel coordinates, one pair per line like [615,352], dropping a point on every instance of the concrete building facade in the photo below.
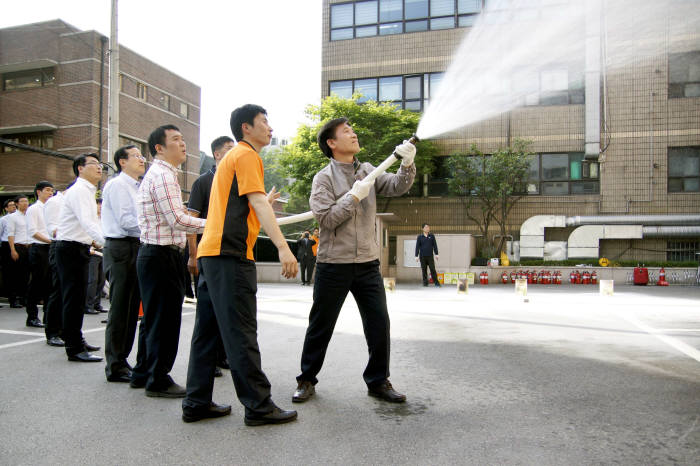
[645,161]
[50,98]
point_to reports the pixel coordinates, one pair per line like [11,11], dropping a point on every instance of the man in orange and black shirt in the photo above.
[238,206]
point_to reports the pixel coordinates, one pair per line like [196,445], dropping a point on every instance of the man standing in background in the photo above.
[40,281]
[53,309]
[425,246]
[6,261]
[18,238]
[305,256]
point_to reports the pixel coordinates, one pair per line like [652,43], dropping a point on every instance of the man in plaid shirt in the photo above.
[164,224]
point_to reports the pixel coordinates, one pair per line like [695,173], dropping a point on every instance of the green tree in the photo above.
[489,186]
[379,127]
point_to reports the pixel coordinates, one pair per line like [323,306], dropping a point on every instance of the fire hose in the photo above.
[381,168]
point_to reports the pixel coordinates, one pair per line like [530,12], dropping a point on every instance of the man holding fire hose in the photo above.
[344,204]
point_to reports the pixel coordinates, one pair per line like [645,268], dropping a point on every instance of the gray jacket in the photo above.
[347,227]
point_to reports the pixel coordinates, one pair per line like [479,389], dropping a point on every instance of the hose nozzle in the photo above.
[414,139]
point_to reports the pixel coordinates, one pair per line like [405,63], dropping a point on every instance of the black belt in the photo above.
[21,245]
[73,243]
[130,239]
[38,245]
[169,246]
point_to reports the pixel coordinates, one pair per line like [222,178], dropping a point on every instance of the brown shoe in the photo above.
[386,392]
[304,391]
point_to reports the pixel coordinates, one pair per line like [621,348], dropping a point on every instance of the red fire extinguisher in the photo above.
[557,277]
[586,277]
[594,278]
[513,275]
[484,278]
[504,278]
[578,277]
[572,278]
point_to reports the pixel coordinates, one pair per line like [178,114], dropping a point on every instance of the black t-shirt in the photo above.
[199,196]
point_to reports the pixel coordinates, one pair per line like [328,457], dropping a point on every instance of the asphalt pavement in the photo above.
[569,377]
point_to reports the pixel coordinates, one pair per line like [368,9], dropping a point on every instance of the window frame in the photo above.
[42,74]
[686,176]
[677,89]
[588,174]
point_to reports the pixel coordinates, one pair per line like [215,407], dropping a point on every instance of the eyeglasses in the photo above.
[139,157]
[93,163]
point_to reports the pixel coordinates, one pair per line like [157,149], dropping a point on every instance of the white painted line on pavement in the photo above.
[17,332]
[20,343]
[673,342]
[678,329]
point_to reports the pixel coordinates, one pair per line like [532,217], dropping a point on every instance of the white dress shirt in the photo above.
[17,227]
[119,218]
[36,222]
[3,228]
[78,219]
[52,211]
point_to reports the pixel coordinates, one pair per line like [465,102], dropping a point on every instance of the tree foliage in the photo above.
[489,186]
[379,127]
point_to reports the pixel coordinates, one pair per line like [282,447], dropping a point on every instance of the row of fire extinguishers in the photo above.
[544,277]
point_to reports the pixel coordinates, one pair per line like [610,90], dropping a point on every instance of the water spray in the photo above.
[381,168]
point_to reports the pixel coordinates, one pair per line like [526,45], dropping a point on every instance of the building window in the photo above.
[183,109]
[683,251]
[684,75]
[411,92]
[165,101]
[365,18]
[683,169]
[439,179]
[553,85]
[125,141]
[141,91]
[562,175]
[42,140]
[28,79]
[121,82]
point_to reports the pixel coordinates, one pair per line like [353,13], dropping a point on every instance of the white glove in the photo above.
[361,189]
[407,151]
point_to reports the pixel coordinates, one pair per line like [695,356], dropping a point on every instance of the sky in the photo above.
[266,52]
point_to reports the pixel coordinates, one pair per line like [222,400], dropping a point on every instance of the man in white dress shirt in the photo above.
[78,229]
[121,230]
[53,309]
[18,238]
[40,281]
[7,262]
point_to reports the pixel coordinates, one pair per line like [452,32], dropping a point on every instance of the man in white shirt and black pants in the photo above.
[5,259]
[40,281]
[53,309]
[78,229]
[120,226]
[18,238]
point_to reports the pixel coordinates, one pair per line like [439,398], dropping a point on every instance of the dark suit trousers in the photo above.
[40,281]
[226,302]
[331,286]
[425,262]
[7,268]
[119,262]
[19,275]
[307,268]
[96,282]
[53,309]
[72,260]
[161,281]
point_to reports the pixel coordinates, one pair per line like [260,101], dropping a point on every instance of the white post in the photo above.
[113,106]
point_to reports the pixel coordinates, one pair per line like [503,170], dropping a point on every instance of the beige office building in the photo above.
[621,143]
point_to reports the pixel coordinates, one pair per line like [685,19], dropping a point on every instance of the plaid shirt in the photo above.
[163,218]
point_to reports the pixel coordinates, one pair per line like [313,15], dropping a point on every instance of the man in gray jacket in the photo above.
[348,256]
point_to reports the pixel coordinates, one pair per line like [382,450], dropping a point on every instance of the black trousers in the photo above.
[332,284]
[53,309]
[19,273]
[307,269]
[425,262]
[161,281]
[40,281]
[226,302]
[96,282]
[7,268]
[119,263]
[72,260]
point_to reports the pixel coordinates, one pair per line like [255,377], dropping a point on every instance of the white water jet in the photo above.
[518,51]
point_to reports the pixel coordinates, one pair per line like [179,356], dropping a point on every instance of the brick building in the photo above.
[645,159]
[50,99]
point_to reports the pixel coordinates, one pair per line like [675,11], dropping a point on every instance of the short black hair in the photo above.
[423,226]
[122,154]
[7,202]
[328,132]
[218,143]
[80,161]
[158,137]
[21,196]
[41,185]
[244,114]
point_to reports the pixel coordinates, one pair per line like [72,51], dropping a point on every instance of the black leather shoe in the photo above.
[124,377]
[386,392]
[55,341]
[304,391]
[217,372]
[100,309]
[276,416]
[211,411]
[89,347]
[135,383]
[14,304]
[84,357]
[91,311]
[223,364]
[173,391]
[35,323]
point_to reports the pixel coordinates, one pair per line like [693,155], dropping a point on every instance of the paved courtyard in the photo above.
[570,377]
